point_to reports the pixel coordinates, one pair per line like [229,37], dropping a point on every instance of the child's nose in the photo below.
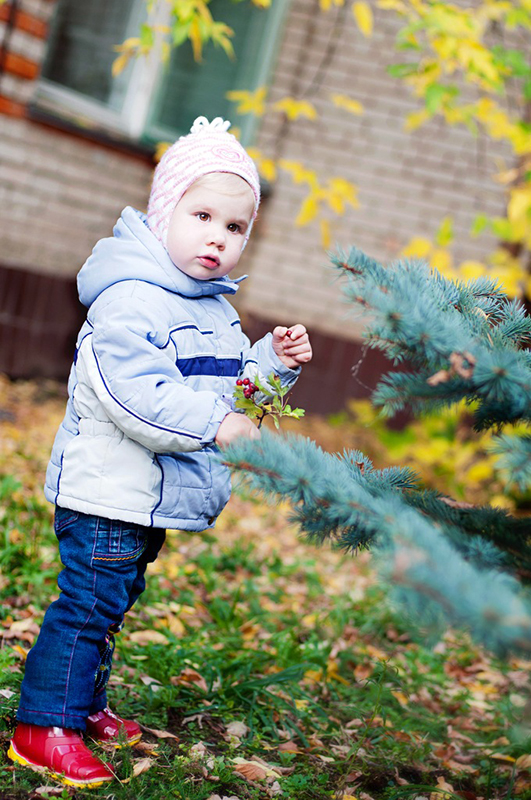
[216,236]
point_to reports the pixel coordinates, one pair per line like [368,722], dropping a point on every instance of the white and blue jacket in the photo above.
[155,366]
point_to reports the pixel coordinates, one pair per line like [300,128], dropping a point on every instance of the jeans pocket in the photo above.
[63,518]
[117,541]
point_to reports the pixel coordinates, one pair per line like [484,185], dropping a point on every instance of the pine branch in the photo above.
[515,457]
[342,500]
[462,340]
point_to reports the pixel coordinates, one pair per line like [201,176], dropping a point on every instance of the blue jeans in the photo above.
[68,668]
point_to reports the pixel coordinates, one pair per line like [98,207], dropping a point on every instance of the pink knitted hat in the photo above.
[207,148]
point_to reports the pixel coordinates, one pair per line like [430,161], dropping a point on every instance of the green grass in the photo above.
[299,645]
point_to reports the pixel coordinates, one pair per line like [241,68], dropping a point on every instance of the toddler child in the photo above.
[149,404]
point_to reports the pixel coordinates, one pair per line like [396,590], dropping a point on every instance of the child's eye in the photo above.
[203,216]
[234,227]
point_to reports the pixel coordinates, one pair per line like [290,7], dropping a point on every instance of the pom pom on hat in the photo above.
[207,148]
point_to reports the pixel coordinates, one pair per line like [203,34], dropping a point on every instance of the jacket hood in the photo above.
[134,253]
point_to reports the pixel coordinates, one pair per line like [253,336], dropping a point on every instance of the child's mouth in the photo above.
[211,262]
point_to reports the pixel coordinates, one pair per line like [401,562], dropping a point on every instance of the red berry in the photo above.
[288,334]
[253,388]
[247,394]
[246,381]
[239,382]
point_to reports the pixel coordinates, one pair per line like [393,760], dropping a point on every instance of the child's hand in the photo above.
[292,345]
[233,426]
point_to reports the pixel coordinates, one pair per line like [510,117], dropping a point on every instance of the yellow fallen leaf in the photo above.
[20,650]
[401,697]
[502,757]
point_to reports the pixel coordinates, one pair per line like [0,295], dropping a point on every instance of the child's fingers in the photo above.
[295,332]
[280,332]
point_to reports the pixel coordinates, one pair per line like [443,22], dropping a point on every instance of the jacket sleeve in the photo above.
[140,388]
[261,358]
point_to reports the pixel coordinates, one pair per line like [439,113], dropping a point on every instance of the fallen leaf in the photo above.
[50,791]
[238,729]
[198,750]
[288,747]
[189,676]
[523,762]
[401,697]
[27,624]
[517,700]
[142,765]
[502,757]
[159,734]
[251,772]
[148,637]
[7,693]
[443,785]
[147,680]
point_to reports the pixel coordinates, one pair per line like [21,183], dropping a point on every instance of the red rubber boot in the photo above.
[60,752]
[106,726]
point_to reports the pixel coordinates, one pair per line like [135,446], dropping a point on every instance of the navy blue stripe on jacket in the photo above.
[209,365]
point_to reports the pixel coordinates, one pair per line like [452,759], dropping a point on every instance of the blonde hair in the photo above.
[225,182]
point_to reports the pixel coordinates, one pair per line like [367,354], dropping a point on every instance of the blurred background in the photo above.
[313,93]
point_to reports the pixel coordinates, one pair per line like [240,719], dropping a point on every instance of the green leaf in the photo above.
[402,70]
[445,234]
[180,33]
[437,94]
[147,36]
[480,223]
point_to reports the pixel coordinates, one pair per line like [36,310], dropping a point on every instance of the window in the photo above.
[150,101]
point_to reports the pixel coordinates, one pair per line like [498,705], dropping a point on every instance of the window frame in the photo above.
[133,122]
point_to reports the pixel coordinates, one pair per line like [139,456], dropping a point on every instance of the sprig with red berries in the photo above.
[272,401]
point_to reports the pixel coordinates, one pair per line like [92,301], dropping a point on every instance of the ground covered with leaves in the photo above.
[257,665]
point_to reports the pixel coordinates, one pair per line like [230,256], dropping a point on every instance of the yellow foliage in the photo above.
[340,192]
[249,102]
[416,119]
[308,210]
[160,150]
[519,207]
[470,270]
[392,5]
[262,3]
[128,49]
[417,248]
[196,39]
[294,109]
[266,166]
[347,103]
[299,173]
[481,471]
[363,15]
[441,260]
[325,5]
[326,236]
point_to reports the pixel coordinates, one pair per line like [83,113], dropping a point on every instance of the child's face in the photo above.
[207,230]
